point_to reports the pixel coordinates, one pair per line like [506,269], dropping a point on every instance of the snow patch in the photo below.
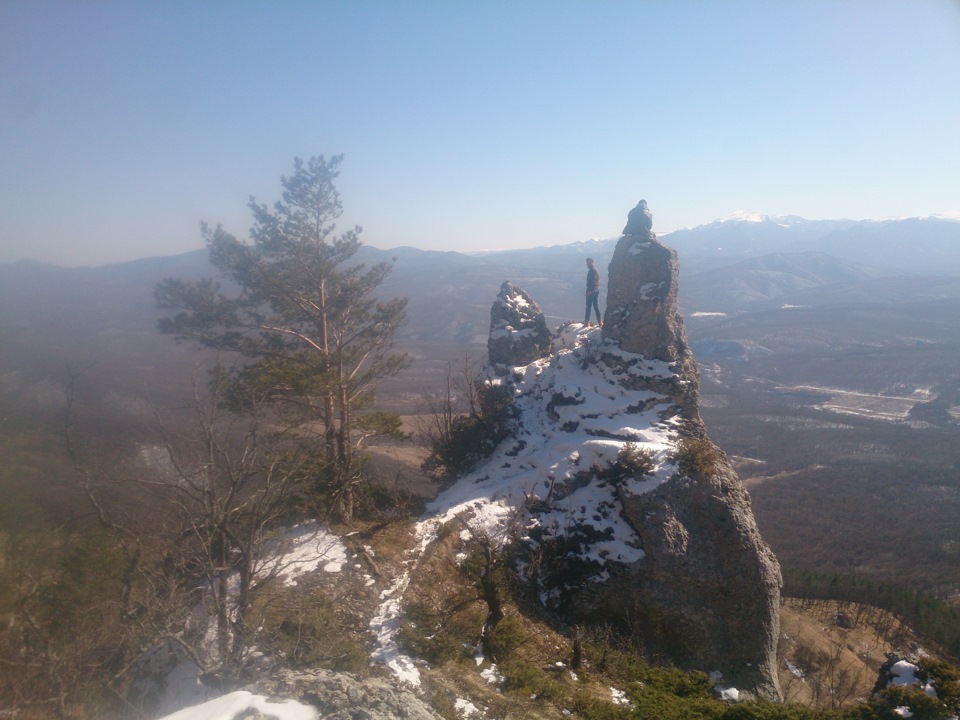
[467,709]
[242,703]
[303,549]
[385,625]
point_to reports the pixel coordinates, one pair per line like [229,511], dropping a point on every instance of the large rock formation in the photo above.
[518,329]
[338,696]
[707,581]
[641,311]
[633,515]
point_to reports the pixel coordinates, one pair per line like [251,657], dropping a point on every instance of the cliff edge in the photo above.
[619,508]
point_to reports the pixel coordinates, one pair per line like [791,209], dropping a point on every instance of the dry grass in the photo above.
[826,665]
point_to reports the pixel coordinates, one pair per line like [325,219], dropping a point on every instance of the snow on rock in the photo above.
[619,697]
[575,419]
[493,676]
[518,329]
[467,709]
[730,694]
[588,480]
[385,625]
[245,704]
[904,673]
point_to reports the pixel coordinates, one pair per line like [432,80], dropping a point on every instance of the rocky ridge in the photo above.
[610,481]
[614,505]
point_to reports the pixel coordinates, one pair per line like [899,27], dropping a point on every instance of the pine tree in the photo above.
[306,323]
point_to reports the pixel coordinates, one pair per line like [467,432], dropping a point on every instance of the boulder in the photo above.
[339,696]
[639,221]
[518,329]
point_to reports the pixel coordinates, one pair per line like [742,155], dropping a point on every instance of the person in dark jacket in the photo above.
[593,292]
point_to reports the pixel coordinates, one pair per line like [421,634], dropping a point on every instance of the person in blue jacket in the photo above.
[593,292]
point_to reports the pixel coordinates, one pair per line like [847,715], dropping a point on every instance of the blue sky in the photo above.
[468,125]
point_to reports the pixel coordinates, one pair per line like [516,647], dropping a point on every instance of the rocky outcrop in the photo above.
[641,314]
[641,311]
[665,543]
[339,696]
[639,221]
[518,329]
[708,586]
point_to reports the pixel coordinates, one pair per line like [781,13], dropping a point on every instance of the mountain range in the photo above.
[742,264]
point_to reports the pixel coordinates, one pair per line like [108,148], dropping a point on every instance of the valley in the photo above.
[839,378]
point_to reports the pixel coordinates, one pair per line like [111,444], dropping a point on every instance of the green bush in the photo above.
[590,707]
[508,635]
[766,710]
[922,706]
[306,631]
[527,679]
[418,639]
[946,680]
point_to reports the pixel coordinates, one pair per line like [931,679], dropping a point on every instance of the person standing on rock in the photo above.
[593,292]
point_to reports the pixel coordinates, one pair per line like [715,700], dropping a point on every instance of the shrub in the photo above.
[946,679]
[698,457]
[508,635]
[766,710]
[527,679]
[632,462]
[306,630]
[436,648]
[458,442]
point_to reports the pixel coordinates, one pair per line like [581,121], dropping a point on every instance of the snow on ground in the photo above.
[297,551]
[892,408]
[493,676]
[467,709]
[302,549]
[385,625]
[594,418]
[576,414]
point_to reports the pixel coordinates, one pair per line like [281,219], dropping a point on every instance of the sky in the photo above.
[467,125]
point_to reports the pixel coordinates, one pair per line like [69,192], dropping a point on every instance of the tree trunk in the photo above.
[490,592]
[329,426]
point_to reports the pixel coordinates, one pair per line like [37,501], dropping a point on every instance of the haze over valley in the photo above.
[828,354]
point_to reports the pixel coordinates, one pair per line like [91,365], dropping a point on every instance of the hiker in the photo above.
[593,292]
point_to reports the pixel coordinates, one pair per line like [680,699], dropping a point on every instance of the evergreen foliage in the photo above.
[307,325]
[632,462]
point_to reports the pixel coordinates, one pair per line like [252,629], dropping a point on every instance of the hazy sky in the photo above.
[467,125]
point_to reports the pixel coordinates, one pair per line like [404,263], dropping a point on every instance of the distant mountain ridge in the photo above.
[731,266]
[921,245]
